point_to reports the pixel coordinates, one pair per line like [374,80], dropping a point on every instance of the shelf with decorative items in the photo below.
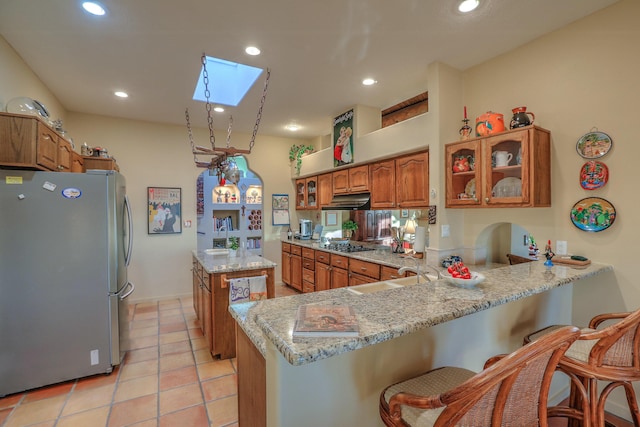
[507,169]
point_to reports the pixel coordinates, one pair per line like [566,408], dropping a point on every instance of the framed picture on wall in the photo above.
[343,139]
[165,210]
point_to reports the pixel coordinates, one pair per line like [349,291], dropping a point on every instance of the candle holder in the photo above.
[465,131]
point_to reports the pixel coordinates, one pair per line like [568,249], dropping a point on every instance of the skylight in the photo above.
[229,81]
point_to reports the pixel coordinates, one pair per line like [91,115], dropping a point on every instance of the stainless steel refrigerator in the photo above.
[65,244]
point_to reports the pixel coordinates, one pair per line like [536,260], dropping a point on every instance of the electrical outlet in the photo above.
[445,230]
[561,247]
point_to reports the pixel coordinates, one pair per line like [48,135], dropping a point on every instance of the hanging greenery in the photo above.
[296,152]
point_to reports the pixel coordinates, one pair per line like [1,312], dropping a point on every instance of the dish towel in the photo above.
[257,288]
[246,289]
[239,290]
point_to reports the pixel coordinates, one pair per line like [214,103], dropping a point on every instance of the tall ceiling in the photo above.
[318,52]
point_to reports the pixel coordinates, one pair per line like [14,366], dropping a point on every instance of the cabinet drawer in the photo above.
[286,247]
[365,268]
[308,275]
[308,287]
[339,261]
[308,253]
[309,264]
[357,279]
[296,250]
[389,273]
[323,257]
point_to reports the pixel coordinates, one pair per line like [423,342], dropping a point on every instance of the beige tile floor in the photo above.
[168,378]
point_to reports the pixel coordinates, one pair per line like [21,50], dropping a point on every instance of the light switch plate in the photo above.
[445,230]
[561,247]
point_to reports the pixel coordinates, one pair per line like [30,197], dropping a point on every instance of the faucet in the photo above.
[418,272]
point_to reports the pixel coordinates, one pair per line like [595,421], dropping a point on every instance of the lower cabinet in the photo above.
[286,263]
[339,271]
[211,304]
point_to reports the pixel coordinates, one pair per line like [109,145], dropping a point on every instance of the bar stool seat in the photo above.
[512,390]
[604,352]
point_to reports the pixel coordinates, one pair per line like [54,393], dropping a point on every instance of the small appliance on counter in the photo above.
[306,230]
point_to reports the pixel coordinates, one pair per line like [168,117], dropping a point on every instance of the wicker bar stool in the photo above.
[512,390]
[604,352]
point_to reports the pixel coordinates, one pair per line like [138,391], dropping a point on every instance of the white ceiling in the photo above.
[318,51]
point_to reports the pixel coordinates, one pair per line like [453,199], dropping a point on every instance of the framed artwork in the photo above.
[343,139]
[280,209]
[330,218]
[164,210]
[404,213]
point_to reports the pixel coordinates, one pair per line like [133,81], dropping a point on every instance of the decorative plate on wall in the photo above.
[593,214]
[593,175]
[594,144]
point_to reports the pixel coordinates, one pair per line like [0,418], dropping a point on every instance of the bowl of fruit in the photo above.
[460,275]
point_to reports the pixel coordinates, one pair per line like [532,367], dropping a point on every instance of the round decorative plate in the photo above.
[593,214]
[594,144]
[508,187]
[470,188]
[593,175]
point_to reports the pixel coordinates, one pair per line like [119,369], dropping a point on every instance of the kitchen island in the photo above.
[212,271]
[403,331]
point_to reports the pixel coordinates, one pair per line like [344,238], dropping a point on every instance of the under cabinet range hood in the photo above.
[352,202]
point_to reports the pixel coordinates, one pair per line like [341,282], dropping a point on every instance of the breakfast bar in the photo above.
[403,331]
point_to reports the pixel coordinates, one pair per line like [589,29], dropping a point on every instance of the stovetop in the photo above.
[348,247]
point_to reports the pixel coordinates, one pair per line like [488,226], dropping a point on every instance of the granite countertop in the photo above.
[392,313]
[226,264]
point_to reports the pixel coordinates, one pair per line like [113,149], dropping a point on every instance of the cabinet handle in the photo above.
[486,199]
[363,268]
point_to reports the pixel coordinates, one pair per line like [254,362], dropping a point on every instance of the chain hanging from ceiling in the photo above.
[221,163]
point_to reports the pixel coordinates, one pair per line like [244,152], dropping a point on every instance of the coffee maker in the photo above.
[306,230]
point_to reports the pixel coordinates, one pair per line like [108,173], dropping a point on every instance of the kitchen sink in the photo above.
[369,288]
[413,280]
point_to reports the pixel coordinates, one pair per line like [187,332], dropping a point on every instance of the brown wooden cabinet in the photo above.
[382,179]
[325,189]
[351,180]
[102,163]
[510,169]
[65,156]
[365,268]
[296,267]
[77,163]
[339,271]
[286,263]
[307,193]
[323,276]
[372,225]
[27,143]
[412,180]
[308,270]
[389,273]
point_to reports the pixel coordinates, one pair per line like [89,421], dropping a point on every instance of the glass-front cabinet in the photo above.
[509,169]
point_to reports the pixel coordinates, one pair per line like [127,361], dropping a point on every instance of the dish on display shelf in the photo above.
[508,187]
[22,105]
[470,189]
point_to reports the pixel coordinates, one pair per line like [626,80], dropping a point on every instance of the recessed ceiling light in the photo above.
[468,5]
[369,82]
[94,8]
[293,127]
[121,94]
[218,109]
[252,50]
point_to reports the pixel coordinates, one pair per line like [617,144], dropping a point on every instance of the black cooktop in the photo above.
[348,247]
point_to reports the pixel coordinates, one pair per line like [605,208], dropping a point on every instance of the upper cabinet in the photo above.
[26,142]
[412,180]
[325,189]
[382,176]
[509,169]
[307,193]
[351,180]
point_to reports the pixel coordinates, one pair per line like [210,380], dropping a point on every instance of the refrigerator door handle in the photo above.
[126,294]
[130,234]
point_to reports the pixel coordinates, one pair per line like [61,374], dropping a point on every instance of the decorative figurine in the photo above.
[548,253]
[533,248]
[465,131]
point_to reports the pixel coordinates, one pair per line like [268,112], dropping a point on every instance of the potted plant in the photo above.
[348,227]
[296,152]
[234,244]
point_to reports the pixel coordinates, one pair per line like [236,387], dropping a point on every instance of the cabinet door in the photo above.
[412,174]
[296,272]
[65,156]
[382,179]
[301,193]
[389,273]
[506,175]
[312,192]
[463,171]
[383,224]
[207,317]
[323,277]
[325,189]
[47,147]
[340,182]
[339,278]
[359,179]
[286,268]
[77,163]
[356,279]
[370,225]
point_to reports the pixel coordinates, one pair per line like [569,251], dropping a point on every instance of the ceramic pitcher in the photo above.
[521,118]
[503,158]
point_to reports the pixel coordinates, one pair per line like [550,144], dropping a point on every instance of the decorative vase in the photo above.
[233,253]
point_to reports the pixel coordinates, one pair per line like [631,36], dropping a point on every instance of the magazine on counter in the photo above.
[314,320]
